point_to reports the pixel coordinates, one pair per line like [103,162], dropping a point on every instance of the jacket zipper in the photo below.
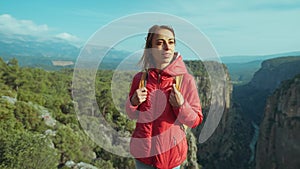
[175,142]
[155,108]
[158,80]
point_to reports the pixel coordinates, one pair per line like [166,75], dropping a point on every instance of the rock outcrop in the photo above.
[278,145]
[274,71]
[252,96]
[219,148]
[233,144]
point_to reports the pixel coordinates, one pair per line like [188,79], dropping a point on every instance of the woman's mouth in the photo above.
[167,54]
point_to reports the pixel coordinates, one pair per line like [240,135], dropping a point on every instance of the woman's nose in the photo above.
[166,46]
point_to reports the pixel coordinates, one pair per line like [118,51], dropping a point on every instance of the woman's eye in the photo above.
[171,42]
[159,43]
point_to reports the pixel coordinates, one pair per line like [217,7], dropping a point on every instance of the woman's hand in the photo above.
[139,96]
[176,99]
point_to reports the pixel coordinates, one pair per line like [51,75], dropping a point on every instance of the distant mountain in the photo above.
[251,58]
[33,52]
[242,68]
[242,73]
[30,46]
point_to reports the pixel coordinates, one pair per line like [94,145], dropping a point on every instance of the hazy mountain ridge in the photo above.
[30,46]
[242,73]
[32,52]
[274,71]
[251,58]
[242,68]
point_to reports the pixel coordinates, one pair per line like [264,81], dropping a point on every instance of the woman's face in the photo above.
[163,47]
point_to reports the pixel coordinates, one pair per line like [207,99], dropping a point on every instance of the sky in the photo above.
[234,27]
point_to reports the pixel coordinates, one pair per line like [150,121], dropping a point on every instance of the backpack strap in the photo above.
[143,80]
[178,81]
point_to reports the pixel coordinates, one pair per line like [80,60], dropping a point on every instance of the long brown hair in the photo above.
[147,60]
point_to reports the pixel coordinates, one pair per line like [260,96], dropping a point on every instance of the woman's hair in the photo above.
[147,59]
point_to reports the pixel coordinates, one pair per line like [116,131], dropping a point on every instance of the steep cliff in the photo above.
[221,150]
[252,96]
[278,145]
[228,147]
[274,71]
[232,146]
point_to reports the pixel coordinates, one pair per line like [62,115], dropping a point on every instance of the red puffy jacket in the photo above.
[159,138]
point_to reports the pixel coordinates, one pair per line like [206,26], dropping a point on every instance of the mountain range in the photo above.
[242,68]
[52,54]
[33,52]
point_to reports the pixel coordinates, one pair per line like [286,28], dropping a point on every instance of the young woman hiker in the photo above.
[161,108]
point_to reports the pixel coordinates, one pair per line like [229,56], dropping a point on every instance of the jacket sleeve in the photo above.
[190,113]
[132,111]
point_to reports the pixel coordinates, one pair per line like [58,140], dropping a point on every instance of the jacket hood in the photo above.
[177,67]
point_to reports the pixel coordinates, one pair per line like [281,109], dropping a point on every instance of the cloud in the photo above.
[11,25]
[67,37]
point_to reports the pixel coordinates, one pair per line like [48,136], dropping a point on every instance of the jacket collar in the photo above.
[176,67]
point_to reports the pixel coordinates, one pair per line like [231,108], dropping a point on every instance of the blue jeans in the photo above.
[140,165]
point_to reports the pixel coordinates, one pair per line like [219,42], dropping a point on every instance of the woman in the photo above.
[160,109]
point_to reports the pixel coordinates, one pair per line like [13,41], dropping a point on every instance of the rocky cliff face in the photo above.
[233,144]
[205,74]
[274,71]
[228,147]
[252,96]
[278,145]
[220,150]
